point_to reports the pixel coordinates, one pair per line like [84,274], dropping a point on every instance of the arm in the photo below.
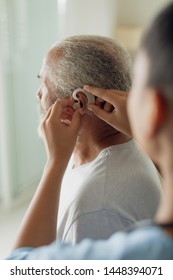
[39,225]
[118,117]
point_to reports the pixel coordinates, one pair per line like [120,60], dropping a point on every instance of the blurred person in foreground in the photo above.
[150,111]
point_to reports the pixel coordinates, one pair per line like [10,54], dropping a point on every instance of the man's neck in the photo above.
[92,141]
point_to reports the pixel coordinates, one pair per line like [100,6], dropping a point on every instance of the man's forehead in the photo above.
[50,58]
[44,67]
[55,51]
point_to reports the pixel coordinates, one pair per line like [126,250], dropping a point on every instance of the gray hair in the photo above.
[93,60]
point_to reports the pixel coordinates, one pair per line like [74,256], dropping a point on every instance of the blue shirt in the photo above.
[144,244]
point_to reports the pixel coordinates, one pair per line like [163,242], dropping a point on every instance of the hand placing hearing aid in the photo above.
[82,98]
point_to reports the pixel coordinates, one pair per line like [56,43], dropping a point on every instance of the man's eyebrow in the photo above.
[39,76]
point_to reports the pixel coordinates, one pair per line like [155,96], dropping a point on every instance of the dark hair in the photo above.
[158,45]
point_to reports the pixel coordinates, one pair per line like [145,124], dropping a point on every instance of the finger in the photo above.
[48,113]
[58,108]
[100,113]
[108,95]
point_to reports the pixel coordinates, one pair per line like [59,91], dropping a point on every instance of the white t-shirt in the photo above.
[121,186]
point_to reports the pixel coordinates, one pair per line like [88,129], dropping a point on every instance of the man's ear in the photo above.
[155,112]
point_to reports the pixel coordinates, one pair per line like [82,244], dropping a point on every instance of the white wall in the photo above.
[26,33]
[133,17]
[138,12]
[86,17]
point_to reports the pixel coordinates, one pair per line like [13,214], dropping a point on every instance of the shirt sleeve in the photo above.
[87,249]
[141,244]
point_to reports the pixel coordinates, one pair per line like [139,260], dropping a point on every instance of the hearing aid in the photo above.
[88,96]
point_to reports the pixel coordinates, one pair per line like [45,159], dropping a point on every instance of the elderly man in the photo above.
[109,184]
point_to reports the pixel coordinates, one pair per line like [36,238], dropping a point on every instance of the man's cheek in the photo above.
[41,111]
[44,106]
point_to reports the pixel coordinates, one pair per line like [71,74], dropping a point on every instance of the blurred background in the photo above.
[27,30]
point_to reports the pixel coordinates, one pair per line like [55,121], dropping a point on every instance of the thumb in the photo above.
[100,113]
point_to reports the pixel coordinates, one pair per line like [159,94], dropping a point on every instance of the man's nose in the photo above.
[39,94]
